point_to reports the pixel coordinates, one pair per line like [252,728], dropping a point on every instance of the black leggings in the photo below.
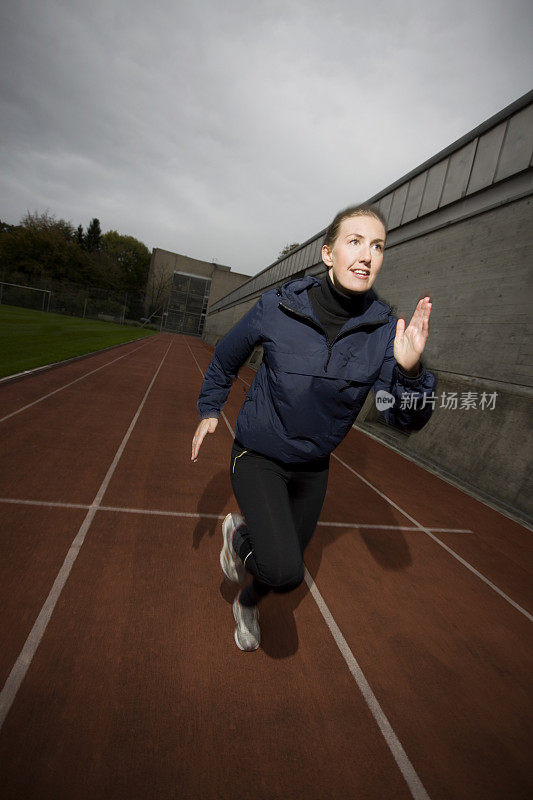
[281,504]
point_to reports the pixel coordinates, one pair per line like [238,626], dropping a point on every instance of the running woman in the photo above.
[326,343]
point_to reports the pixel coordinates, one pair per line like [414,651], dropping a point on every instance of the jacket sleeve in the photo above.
[414,397]
[230,354]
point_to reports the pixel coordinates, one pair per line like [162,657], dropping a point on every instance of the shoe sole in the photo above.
[239,579]
[236,635]
[225,570]
[244,649]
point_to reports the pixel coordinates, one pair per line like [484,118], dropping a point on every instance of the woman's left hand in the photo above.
[410,342]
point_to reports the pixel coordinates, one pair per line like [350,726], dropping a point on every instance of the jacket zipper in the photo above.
[321,329]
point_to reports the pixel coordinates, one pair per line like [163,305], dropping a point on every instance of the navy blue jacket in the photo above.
[307,392]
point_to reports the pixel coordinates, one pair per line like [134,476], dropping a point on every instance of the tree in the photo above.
[158,290]
[93,237]
[47,222]
[43,247]
[288,248]
[132,256]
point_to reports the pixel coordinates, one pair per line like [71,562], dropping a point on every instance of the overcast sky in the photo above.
[224,130]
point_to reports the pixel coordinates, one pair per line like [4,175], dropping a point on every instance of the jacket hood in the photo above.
[294,294]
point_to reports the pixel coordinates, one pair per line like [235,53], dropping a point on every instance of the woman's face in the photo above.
[357,254]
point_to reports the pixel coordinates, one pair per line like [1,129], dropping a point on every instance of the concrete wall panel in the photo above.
[414,197]
[433,187]
[486,158]
[479,279]
[458,174]
[385,205]
[481,449]
[518,144]
[318,250]
[309,255]
[398,205]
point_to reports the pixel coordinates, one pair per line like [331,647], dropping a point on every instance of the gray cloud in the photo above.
[228,130]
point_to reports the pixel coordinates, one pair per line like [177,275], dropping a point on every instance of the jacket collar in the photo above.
[294,295]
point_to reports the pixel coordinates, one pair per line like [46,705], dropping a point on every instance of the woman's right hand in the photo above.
[205,426]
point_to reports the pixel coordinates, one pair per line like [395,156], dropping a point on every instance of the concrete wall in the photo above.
[460,228]
[170,262]
[478,274]
[223,282]
[486,452]
[220,322]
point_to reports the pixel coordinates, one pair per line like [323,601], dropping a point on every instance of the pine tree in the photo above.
[80,237]
[93,238]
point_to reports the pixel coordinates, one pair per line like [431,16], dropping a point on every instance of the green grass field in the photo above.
[31,338]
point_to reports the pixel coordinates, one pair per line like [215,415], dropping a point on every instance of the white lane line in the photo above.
[157,513]
[162,512]
[390,527]
[525,526]
[224,417]
[414,783]
[60,389]
[432,536]
[17,674]
[430,532]
[43,503]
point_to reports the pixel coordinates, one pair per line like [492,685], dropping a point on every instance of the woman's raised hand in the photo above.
[410,342]
[205,426]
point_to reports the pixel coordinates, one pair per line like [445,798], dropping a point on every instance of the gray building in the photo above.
[181,289]
[460,230]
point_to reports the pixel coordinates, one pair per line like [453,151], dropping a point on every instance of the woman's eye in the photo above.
[378,247]
[354,241]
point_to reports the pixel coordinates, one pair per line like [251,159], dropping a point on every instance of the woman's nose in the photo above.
[365,254]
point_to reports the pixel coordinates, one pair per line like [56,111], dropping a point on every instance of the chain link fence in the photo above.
[73,299]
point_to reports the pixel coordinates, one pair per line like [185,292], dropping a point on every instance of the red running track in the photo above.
[400,669]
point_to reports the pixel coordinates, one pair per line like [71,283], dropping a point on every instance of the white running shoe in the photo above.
[247,633]
[231,564]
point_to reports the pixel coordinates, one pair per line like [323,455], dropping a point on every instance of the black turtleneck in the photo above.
[333,308]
